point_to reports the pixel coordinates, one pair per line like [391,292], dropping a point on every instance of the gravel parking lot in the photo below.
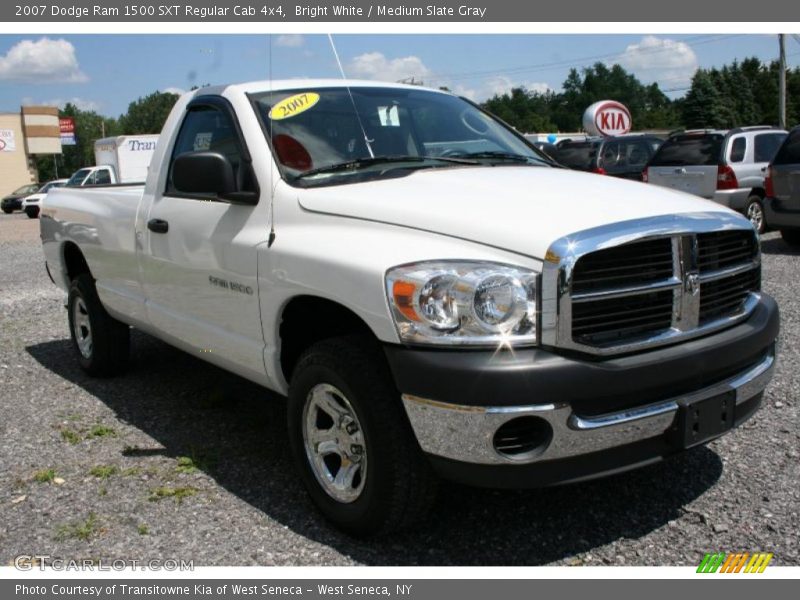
[180,460]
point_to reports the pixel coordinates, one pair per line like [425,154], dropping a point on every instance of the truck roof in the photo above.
[294,84]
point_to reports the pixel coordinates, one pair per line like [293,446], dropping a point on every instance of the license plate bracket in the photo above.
[703,420]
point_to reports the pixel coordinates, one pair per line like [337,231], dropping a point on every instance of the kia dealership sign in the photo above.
[607,117]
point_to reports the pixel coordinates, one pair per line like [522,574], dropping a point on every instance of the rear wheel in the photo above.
[755,212]
[791,237]
[101,343]
[8,211]
[352,442]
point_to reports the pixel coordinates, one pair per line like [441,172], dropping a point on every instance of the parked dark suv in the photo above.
[782,202]
[621,156]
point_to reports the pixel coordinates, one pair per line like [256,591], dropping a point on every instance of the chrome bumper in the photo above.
[465,433]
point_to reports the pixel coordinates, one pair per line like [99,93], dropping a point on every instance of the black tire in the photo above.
[754,211]
[108,349]
[399,486]
[791,237]
[32,213]
[8,211]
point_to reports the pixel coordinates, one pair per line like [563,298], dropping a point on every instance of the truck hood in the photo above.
[519,209]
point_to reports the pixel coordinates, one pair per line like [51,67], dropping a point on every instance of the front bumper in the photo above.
[598,411]
[11,204]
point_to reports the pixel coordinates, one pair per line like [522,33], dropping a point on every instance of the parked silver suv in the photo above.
[727,166]
[782,203]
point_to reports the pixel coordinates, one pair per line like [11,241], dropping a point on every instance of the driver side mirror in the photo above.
[208,173]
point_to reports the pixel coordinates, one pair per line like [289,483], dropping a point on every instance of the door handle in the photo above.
[158,226]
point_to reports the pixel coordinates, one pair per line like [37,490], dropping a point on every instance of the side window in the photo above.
[637,154]
[208,129]
[91,180]
[610,155]
[766,145]
[102,177]
[738,148]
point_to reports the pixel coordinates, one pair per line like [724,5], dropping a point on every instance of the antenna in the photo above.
[352,101]
[272,182]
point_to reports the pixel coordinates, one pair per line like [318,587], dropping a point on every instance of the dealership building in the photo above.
[24,134]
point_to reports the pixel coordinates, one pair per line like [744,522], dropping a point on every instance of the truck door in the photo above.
[199,262]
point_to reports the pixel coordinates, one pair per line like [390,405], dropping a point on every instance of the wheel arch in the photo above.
[308,319]
[74,261]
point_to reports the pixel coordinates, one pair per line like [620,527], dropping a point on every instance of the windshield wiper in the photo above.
[359,163]
[500,155]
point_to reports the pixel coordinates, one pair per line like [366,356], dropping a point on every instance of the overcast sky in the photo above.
[106,72]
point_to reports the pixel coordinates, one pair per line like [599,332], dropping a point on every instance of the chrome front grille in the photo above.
[723,249]
[609,290]
[723,297]
[618,319]
[619,267]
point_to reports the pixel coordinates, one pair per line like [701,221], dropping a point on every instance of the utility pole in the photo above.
[782,82]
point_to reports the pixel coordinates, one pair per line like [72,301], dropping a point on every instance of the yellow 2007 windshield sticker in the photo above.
[293,105]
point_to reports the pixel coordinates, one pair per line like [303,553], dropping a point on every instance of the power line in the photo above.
[485,74]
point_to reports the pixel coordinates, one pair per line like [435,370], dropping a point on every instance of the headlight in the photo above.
[467,303]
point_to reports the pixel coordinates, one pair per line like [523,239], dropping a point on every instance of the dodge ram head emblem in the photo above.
[692,283]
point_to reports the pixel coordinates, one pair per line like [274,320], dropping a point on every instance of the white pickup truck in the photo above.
[433,295]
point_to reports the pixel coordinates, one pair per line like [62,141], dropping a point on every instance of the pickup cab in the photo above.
[433,296]
[99,175]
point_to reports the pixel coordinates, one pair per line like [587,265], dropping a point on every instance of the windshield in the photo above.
[789,152]
[78,176]
[683,150]
[26,189]
[48,186]
[323,136]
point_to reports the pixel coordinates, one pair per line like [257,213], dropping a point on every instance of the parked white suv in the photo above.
[727,166]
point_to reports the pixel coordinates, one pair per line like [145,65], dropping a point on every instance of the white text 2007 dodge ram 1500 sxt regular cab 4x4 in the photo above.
[432,294]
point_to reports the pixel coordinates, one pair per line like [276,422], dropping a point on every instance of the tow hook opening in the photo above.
[522,438]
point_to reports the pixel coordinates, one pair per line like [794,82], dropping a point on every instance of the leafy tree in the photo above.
[703,106]
[741,94]
[533,112]
[148,114]
[524,110]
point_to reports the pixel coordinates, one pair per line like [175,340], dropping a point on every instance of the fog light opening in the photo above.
[522,438]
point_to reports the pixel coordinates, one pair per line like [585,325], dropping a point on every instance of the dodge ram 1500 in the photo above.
[434,296]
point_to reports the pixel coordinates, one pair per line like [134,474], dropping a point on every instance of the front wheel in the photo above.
[352,442]
[32,212]
[101,343]
[755,213]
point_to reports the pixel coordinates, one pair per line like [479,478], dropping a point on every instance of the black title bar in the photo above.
[362,11]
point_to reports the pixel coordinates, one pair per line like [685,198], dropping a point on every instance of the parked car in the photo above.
[31,204]
[782,202]
[13,201]
[727,166]
[620,156]
[432,295]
